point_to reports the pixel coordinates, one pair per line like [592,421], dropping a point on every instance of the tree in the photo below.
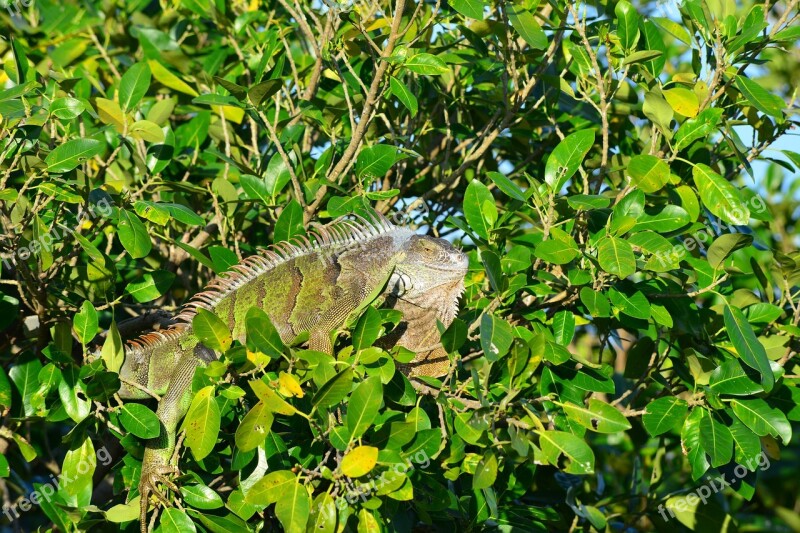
[628,335]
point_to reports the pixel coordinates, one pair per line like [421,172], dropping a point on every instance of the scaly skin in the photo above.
[315,288]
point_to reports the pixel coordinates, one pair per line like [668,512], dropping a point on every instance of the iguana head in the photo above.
[431,276]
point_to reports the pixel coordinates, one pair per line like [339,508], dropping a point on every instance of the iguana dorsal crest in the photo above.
[342,233]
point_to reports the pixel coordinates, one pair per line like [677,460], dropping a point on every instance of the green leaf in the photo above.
[168,79]
[653,42]
[253,429]
[762,313]
[567,157]
[176,521]
[152,211]
[269,489]
[211,330]
[750,351]
[255,188]
[633,304]
[147,131]
[762,419]
[748,445]
[277,175]
[616,257]
[181,213]
[5,391]
[663,415]
[264,90]
[485,471]
[627,24]
[121,512]
[719,196]
[140,420]
[323,514]
[527,26]
[563,327]
[560,249]
[760,98]
[367,329]
[66,108]
[690,442]
[261,334]
[454,336]
[218,524]
[599,416]
[405,95]
[648,172]
[567,452]
[596,302]
[730,378]
[289,223]
[365,401]
[724,245]
[113,352]
[153,285]
[698,127]
[426,64]
[549,350]
[669,218]
[202,423]
[469,8]
[77,470]
[659,111]
[201,497]
[476,196]
[85,322]
[359,461]
[716,440]
[510,188]
[642,56]
[293,508]
[69,155]
[133,234]
[496,336]
[367,523]
[133,85]
[21,63]
[375,161]
[334,390]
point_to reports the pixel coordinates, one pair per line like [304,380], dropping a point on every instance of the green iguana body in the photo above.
[313,287]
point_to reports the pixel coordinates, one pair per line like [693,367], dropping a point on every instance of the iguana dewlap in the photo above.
[313,286]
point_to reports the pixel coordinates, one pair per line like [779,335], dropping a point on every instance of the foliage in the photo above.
[630,322]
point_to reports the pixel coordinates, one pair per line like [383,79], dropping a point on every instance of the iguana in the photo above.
[314,285]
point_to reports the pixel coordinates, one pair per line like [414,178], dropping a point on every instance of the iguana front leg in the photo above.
[172,408]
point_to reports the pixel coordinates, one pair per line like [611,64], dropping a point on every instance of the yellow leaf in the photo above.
[382,22]
[359,461]
[232,114]
[682,101]
[271,400]
[701,90]
[289,385]
[147,131]
[684,77]
[110,113]
[167,78]
[771,447]
[257,359]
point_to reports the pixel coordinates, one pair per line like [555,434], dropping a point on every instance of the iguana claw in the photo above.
[148,485]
